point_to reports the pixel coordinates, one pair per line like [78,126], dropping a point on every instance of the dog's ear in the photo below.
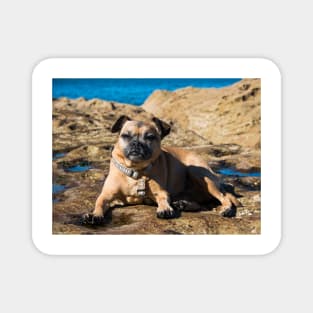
[162,126]
[119,123]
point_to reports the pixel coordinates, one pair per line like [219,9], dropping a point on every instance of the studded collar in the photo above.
[137,175]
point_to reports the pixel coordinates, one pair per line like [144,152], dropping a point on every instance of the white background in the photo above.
[34,30]
[270,78]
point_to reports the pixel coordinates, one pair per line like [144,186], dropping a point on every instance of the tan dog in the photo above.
[140,169]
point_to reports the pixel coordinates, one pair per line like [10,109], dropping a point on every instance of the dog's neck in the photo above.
[131,172]
[130,168]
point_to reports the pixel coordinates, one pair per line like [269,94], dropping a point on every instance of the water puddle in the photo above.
[57,155]
[233,172]
[78,168]
[56,188]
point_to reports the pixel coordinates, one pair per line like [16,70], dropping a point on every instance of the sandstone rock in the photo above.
[225,115]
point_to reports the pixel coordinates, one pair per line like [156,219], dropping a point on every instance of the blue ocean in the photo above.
[128,90]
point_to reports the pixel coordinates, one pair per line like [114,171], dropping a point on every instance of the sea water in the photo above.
[132,90]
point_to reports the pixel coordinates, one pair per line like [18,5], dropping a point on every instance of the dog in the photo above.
[140,170]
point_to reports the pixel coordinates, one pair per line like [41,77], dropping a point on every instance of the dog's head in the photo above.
[140,141]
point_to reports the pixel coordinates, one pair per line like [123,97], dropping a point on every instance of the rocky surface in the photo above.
[82,143]
[224,115]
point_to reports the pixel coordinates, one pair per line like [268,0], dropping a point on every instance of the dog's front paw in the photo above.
[92,219]
[166,212]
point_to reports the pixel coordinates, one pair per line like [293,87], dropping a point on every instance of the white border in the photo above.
[264,243]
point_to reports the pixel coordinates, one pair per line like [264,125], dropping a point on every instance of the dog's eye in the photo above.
[125,136]
[150,137]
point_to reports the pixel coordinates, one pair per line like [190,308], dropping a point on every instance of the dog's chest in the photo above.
[137,187]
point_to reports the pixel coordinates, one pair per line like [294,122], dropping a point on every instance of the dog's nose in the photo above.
[135,144]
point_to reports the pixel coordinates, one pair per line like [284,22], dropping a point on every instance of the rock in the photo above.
[215,123]
[231,113]
[142,220]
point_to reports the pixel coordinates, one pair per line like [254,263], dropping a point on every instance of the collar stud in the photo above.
[135,175]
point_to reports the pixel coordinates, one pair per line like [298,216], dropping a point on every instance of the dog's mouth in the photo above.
[138,152]
[136,158]
[136,155]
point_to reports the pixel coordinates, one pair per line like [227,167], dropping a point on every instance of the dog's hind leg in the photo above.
[209,183]
[227,208]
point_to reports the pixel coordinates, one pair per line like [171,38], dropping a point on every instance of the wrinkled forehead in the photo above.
[139,127]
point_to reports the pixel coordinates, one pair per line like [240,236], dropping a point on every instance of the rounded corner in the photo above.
[273,247]
[39,249]
[273,65]
[41,64]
